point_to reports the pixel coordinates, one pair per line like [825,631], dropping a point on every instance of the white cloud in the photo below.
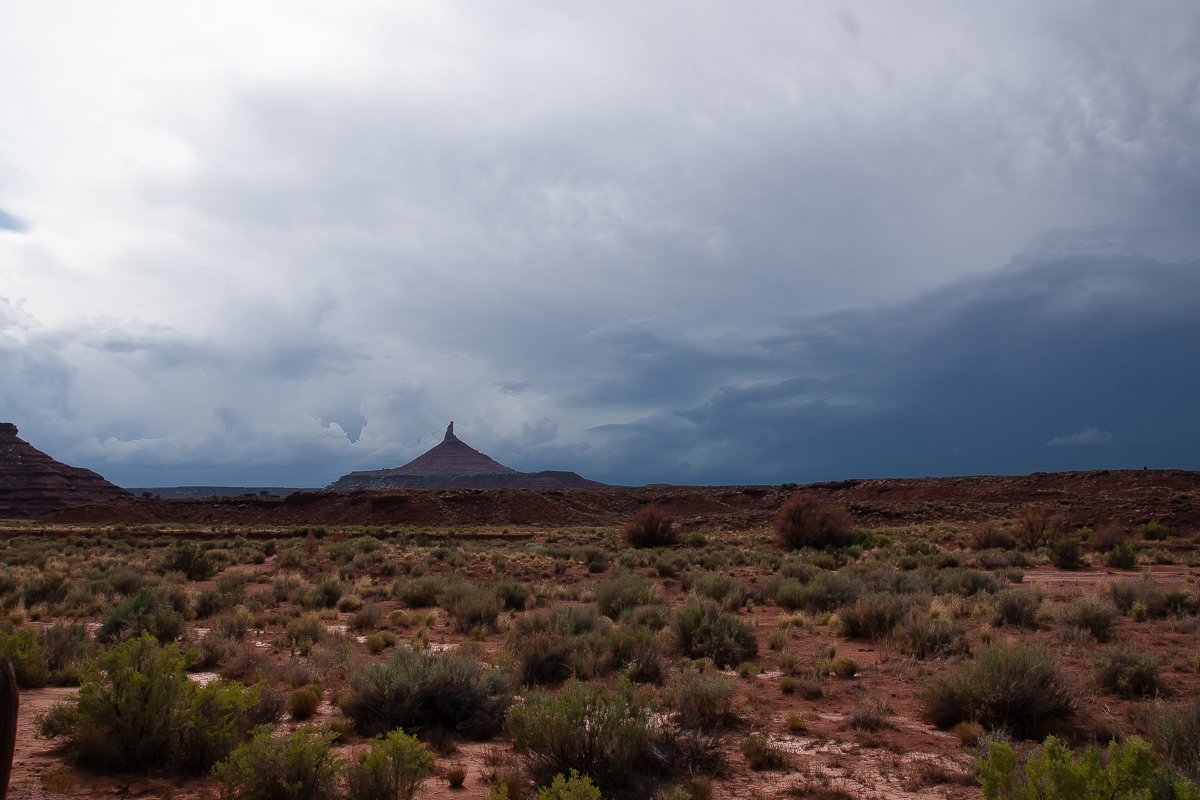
[1087,437]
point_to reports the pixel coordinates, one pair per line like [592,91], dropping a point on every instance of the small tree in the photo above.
[1033,526]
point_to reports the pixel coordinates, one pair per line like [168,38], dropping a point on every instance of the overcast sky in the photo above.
[687,242]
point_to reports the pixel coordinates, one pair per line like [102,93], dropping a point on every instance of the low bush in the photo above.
[873,617]
[570,787]
[297,766]
[1011,688]
[1127,771]
[1067,553]
[828,591]
[513,595]
[392,767]
[1090,615]
[48,587]
[1016,607]
[367,618]
[1126,672]
[761,754]
[701,630]
[990,535]
[194,563]
[1122,556]
[626,592]
[302,634]
[1174,730]
[1158,602]
[418,592]
[304,702]
[420,690]
[803,521]
[933,638]
[136,711]
[1034,526]
[471,607]
[611,737]
[149,611]
[650,527]
[702,698]
[23,648]
[964,582]
[732,594]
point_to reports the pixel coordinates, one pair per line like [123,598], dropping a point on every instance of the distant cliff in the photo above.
[32,483]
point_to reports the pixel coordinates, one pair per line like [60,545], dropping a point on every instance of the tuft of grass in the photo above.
[1017,607]
[1092,616]
[761,754]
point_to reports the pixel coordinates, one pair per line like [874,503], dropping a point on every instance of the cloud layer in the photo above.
[270,245]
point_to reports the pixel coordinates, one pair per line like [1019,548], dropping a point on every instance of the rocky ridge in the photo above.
[33,484]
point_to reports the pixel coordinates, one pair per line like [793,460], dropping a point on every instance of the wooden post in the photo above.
[9,701]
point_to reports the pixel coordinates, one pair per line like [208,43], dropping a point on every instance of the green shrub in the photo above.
[1016,689]
[49,587]
[136,711]
[803,521]
[1016,607]
[417,690]
[1067,553]
[964,582]
[304,702]
[574,787]
[367,618]
[149,611]
[702,698]
[302,634]
[828,591]
[68,646]
[391,768]
[626,592]
[701,630]
[1158,602]
[1092,616]
[131,708]
[933,638]
[543,655]
[219,717]
[760,754]
[650,527]
[513,595]
[471,607]
[298,766]
[873,617]
[1122,556]
[732,594]
[189,559]
[611,737]
[1127,673]
[1174,730]
[1128,771]
[24,649]
[1154,531]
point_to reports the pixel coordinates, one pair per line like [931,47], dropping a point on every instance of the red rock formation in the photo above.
[32,483]
[454,464]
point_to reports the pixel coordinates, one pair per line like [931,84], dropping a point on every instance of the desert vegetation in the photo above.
[804,656]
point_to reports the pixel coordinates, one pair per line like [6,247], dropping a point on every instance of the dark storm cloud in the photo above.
[975,377]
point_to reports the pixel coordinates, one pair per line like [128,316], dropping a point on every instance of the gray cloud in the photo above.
[646,243]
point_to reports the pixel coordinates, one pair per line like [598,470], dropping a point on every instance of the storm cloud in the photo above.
[682,243]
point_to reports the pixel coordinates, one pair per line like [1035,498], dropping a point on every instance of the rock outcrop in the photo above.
[454,464]
[33,484]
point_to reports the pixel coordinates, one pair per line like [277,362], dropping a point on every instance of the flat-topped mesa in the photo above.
[454,464]
[33,484]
